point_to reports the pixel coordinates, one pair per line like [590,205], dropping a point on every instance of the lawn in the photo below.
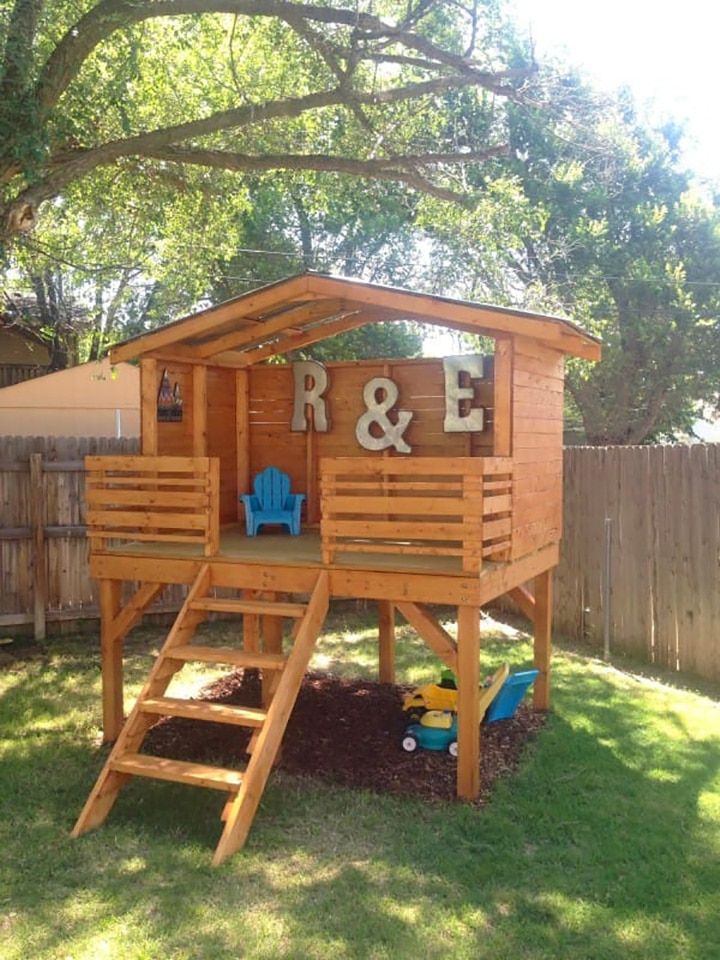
[604,844]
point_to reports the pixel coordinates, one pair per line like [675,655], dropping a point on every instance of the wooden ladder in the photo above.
[245,788]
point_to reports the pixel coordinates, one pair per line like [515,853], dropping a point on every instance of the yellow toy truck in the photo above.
[433,696]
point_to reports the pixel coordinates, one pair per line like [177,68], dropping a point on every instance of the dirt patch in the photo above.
[346,732]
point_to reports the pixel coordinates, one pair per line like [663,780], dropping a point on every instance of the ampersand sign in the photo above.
[377,413]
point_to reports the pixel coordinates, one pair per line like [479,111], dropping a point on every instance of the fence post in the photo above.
[607,587]
[37,500]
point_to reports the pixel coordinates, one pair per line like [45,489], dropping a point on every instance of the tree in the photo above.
[150,88]
[601,224]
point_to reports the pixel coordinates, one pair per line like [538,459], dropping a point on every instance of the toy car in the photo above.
[437,730]
[433,696]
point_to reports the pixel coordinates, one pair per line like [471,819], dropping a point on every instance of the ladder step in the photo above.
[179,771]
[218,605]
[238,658]
[202,710]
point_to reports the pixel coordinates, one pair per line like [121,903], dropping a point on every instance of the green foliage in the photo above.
[592,217]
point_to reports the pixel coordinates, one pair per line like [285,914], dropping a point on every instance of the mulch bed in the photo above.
[345,732]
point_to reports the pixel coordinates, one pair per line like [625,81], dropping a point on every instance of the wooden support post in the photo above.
[148,409]
[468,677]
[430,632]
[111,649]
[37,519]
[502,399]
[272,630]
[542,647]
[199,410]
[251,626]
[386,630]
[242,427]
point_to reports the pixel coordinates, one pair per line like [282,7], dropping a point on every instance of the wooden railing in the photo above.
[154,500]
[441,507]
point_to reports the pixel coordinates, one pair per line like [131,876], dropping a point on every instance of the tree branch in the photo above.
[110,15]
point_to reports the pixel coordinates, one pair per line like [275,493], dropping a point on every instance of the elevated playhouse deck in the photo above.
[423,482]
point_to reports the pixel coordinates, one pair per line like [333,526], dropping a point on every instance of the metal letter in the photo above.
[377,413]
[453,368]
[304,395]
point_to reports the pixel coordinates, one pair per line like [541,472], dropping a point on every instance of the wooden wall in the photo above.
[537,410]
[268,408]
[422,391]
[535,442]
[222,437]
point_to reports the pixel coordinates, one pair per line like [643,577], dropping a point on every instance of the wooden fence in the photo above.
[662,503]
[662,506]
[44,574]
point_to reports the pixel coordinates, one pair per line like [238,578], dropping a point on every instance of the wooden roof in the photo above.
[309,307]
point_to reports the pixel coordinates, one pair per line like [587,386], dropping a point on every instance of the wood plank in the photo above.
[264,328]
[133,536]
[394,529]
[207,320]
[386,642]
[110,520]
[147,463]
[477,317]
[178,771]
[222,605]
[149,385]
[199,411]
[525,600]
[242,426]
[39,553]
[104,497]
[231,655]
[321,332]
[112,663]
[416,506]
[468,715]
[542,646]
[502,398]
[431,632]
[204,710]
[402,549]
[132,612]
[449,467]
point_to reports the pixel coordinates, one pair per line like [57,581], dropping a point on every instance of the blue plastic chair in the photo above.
[510,694]
[272,502]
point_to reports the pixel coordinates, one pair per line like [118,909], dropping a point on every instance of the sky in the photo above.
[667,53]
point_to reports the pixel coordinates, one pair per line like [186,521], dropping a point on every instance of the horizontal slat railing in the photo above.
[424,506]
[153,500]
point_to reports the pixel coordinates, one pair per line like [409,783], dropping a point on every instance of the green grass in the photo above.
[604,844]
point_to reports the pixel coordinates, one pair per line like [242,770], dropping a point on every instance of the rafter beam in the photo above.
[430,632]
[478,317]
[296,316]
[322,331]
[208,320]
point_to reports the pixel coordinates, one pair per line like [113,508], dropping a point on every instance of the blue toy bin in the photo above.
[511,693]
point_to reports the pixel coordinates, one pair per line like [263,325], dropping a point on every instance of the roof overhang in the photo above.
[309,307]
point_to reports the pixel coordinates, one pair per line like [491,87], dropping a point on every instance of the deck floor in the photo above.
[277,548]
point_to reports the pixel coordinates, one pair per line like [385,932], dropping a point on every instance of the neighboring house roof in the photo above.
[20,347]
[309,307]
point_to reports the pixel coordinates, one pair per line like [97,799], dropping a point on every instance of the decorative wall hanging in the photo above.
[377,410]
[169,401]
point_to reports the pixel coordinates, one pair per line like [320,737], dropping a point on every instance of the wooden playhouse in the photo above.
[425,481]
